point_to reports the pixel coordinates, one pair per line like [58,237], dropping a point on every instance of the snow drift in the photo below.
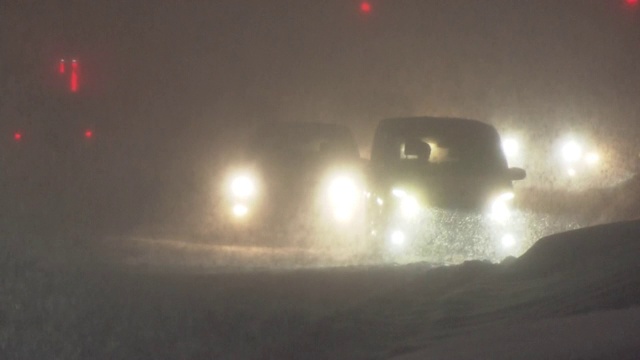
[555,301]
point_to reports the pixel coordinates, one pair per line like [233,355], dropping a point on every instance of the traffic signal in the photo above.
[74,73]
[74,76]
[365,7]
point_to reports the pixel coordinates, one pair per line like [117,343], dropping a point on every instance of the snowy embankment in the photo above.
[572,295]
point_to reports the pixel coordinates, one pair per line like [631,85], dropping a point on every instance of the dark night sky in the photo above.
[173,66]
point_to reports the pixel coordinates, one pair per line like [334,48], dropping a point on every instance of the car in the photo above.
[293,180]
[440,187]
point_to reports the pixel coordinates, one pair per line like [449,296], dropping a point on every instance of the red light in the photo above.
[631,2]
[17,136]
[74,76]
[365,7]
[88,134]
[61,66]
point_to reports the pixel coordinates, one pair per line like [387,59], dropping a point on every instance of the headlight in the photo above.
[511,148]
[409,205]
[500,208]
[508,241]
[572,152]
[398,238]
[243,187]
[343,197]
[240,210]
[577,157]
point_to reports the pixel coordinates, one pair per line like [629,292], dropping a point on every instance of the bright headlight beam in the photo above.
[398,238]
[240,210]
[399,193]
[500,210]
[508,241]
[409,207]
[243,187]
[592,158]
[572,152]
[343,195]
[511,147]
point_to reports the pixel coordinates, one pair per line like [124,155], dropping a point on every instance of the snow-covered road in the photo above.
[572,295]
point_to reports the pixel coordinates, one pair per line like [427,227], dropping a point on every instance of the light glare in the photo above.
[398,238]
[511,148]
[500,209]
[572,152]
[240,210]
[398,193]
[243,187]
[592,158]
[409,207]
[508,241]
[343,196]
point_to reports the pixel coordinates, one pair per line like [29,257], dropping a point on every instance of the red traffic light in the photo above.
[74,76]
[631,2]
[17,136]
[88,134]
[365,7]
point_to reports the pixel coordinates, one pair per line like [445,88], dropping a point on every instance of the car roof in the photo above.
[463,124]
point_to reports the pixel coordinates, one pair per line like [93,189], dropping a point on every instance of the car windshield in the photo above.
[442,148]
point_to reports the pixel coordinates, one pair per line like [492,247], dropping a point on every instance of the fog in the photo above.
[168,87]
[124,127]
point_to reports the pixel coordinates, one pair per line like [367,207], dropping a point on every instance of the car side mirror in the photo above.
[515,174]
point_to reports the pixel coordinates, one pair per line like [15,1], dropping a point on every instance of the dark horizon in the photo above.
[178,69]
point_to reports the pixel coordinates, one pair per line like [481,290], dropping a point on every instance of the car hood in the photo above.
[470,192]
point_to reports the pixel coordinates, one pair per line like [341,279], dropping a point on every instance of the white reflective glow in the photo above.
[343,214]
[409,207]
[511,147]
[571,172]
[343,196]
[398,238]
[399,193]
[572,152]
[240,210]
[500,210]
[379,201]
[243,187]
[592,158]
[508,241]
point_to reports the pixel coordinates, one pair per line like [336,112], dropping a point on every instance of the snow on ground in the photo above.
[581,272]
[572,295]
[591,312]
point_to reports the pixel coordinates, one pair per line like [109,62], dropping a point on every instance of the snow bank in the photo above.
[546,303]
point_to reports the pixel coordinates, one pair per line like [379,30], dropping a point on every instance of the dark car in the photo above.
[441,186]
[292,178]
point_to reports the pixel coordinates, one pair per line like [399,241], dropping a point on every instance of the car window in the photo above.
[441,150]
